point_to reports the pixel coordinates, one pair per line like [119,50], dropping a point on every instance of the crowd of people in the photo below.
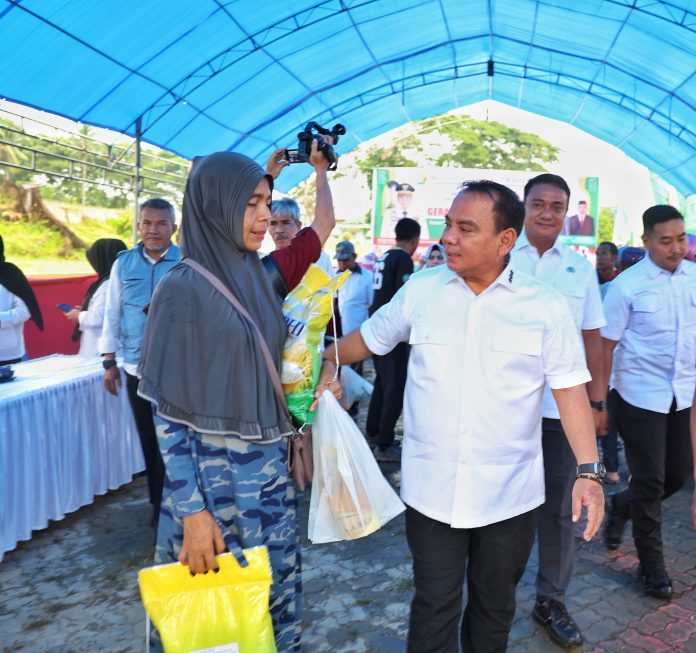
[510,356]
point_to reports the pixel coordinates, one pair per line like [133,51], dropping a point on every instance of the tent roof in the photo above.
[213,74]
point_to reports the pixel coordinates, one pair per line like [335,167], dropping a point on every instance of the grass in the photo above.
[38,249]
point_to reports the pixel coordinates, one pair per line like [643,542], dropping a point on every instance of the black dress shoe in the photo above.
[657,583]
[554,617]
[614,528]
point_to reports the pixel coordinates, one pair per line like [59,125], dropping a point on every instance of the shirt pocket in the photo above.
[691,309]
[575,298]
[517,352]
[429,349]
[648,314]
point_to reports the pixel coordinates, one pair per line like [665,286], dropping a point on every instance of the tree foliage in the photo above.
[489,144]
[78,169]
[467,143]
[605,228]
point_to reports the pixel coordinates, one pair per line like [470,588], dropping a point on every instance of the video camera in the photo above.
[314,131]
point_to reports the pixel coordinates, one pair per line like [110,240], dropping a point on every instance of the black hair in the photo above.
[507,208]
[407,229]
[159,204]
[547,178]
[612,248]
[659,213]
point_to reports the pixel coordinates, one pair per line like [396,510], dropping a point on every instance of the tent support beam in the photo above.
[136,183]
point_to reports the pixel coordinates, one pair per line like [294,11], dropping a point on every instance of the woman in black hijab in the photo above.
[89,317]
[17,305]
[221,428]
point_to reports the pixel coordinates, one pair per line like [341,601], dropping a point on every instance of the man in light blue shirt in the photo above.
[650,347]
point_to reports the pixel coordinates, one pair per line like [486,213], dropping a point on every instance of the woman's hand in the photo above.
[327,382]
[202,542]
[74,315]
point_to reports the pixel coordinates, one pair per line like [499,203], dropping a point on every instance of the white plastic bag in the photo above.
[354,387]
[350,497]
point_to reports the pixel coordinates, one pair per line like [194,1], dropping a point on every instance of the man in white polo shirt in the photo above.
[485,339]
[539,253]
[651,337]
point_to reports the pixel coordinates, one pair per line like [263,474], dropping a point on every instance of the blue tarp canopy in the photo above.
[244,75]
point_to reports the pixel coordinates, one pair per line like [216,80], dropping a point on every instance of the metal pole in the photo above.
[136,185]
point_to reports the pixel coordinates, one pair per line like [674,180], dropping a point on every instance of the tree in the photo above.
[484,144]
[605,228]
[393,156]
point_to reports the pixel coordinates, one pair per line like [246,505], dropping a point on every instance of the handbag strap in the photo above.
[227,294]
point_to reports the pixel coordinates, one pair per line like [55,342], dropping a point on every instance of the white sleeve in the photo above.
[324,263]
[110,343]
[593,316]
[389,326]
[93,317]
[562,350]
[18,314]
[617,307]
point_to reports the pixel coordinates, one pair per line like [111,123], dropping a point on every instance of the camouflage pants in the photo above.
[246,487]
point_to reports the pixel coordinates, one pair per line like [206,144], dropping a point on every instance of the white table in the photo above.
[63,441]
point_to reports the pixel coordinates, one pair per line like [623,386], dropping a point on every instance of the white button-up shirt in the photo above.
[574,277]
[91,322]
[13,314]
[472,406]
[651,313]
[354,298]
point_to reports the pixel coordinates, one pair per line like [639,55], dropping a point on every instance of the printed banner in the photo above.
[582,221]
[426,194]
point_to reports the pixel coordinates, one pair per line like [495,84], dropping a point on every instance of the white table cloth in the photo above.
[63,441]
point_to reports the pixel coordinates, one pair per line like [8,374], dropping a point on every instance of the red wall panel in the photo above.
[55,338]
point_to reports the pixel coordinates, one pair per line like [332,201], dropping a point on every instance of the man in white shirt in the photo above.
[650,347]
[133,279]
[355,295]
[485,339]
[539,253]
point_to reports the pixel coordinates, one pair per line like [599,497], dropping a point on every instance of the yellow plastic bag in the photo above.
[307,310]
[225,612]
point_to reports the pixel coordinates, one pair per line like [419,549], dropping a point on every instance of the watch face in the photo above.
[593,468]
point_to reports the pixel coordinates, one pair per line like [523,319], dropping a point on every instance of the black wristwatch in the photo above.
[601,406]
[106,364]
[597,470]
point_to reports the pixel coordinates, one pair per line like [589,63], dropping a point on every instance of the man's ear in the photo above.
[506,241]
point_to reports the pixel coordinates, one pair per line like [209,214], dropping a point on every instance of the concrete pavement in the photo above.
[73,588]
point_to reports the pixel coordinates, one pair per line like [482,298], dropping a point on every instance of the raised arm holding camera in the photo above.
[291,262]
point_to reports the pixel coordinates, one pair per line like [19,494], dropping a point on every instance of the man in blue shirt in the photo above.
[134,277]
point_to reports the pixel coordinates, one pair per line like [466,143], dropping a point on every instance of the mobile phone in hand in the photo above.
[65,308]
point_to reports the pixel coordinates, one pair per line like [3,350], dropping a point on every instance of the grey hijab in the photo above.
[201,362]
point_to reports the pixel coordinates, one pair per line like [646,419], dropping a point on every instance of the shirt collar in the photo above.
[149,258]
[653,270]
[522,242]
[508,278]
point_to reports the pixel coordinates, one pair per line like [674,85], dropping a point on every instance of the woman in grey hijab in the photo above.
[221,428]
